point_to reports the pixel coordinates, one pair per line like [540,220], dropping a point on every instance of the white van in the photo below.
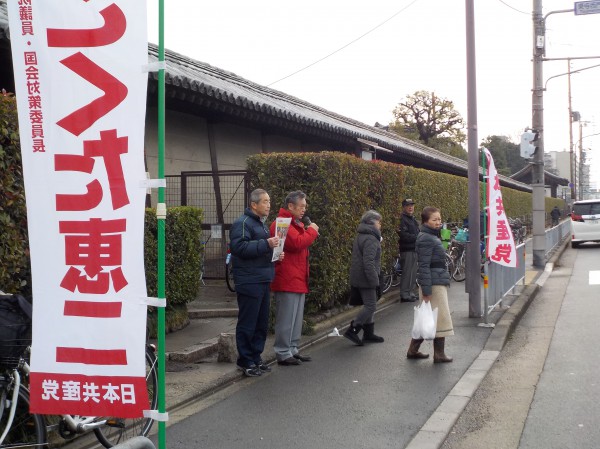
[585,222]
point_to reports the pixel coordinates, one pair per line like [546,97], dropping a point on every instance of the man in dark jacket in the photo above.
[408,231]
[252,251]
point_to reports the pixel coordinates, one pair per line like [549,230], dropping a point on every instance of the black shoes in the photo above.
[369,334]
[352,334]
[290,361]
[264,368]
[251,371]
[409,299]
[303,358]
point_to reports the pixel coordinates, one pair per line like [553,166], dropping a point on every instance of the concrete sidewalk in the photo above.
[193,371]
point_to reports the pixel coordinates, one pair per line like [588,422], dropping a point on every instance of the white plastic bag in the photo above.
[425,322]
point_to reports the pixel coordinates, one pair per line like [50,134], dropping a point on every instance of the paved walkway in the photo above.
[194,372]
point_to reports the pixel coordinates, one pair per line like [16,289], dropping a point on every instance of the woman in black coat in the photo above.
[434,280]
[364,276]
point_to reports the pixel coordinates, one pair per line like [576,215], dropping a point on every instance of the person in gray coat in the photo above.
[364,275]
[434,280]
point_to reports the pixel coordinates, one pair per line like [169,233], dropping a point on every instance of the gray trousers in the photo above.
[369,297]
[409,273]
[288,323]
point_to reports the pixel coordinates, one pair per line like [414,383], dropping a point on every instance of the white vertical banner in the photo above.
[81,96]
[501,244]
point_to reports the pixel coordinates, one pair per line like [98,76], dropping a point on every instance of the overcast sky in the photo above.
[420,47]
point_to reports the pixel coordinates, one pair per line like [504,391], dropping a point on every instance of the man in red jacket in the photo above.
[290,284]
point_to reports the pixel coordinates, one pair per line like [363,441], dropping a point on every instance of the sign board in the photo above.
[589,7]
[81,96]
[216,231]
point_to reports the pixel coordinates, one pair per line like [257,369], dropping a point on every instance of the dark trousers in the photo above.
[253,322]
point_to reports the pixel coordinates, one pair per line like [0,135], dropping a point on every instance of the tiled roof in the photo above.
[549,178]
[200,80]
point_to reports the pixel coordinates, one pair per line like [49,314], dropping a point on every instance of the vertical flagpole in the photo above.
[161,213]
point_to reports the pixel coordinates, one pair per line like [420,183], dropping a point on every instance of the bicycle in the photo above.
[456,260]
[19,427]
[392,275]
[22,429]
[519,230]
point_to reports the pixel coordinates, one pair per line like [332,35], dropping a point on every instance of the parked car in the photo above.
[585,222]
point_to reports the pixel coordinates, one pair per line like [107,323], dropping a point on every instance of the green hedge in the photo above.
[183,252]
[15,274]
[342,187]
[183,248]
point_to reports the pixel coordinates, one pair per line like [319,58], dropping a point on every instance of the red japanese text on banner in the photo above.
[81,94]
[501,244]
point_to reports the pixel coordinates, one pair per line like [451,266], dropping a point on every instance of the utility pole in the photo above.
[473,281]
[572,157]
[537,123]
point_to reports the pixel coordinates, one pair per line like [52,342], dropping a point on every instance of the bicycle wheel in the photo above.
[27,430]
[229,277]
[118,430]
[396,273]
[396,278]
[387,280]
[449,264]
[460,272]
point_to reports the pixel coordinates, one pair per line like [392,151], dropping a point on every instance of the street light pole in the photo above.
[537,123]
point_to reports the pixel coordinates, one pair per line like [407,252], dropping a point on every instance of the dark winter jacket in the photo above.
[408,231]
[251,255]
[291,274]
[555,213]
[366,257]
[432,260]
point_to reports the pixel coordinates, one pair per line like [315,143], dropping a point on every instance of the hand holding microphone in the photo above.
[310,224]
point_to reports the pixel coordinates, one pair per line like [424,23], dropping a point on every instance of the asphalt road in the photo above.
[544,390]
[348,396]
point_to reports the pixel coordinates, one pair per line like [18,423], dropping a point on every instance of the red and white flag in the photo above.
[501,244]
[81,95]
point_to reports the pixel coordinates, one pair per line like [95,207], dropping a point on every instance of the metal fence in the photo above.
[556,235]
[505,280]
[223,197]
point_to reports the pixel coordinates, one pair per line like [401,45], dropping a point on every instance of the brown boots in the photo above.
[438,351]
[413,350]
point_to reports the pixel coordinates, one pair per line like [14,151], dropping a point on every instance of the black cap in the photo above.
[407,202]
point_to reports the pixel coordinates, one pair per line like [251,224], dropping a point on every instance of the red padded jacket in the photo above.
[291,274]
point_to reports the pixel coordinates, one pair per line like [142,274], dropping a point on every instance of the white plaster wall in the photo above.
[234,144]
[281,144]
[186,143]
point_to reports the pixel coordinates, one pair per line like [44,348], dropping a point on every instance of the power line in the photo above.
[512,7]
[347,45]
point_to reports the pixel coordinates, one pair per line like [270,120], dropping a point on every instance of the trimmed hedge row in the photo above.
[14,249]
[342,187]
[183,253]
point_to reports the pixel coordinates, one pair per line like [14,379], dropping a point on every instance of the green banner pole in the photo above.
[161,213]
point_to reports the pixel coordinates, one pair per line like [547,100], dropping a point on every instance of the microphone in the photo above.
[306,220]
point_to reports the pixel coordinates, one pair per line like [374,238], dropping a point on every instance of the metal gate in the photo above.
[223,196]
